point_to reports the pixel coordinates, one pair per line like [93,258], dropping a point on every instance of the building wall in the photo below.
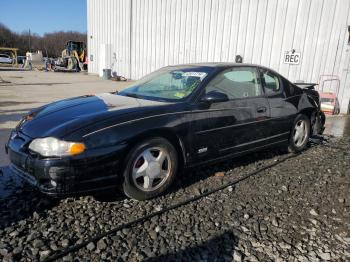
[109,23]
[146,35]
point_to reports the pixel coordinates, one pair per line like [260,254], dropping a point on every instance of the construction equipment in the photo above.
[73,58]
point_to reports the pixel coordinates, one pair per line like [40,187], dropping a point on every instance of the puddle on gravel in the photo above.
[337,126]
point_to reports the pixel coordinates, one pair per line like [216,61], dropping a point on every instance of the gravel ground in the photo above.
[298,210]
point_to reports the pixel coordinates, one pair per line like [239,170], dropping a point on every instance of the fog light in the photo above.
[53,183]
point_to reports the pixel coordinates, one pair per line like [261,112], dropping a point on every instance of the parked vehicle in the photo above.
[179,116]
[329,103]
[5,59]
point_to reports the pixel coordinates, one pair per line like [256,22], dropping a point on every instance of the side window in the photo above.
[271,83]
[236,83]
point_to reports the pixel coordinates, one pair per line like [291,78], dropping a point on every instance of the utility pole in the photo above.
[30,48]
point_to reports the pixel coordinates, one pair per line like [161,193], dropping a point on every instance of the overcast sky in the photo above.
[43,16]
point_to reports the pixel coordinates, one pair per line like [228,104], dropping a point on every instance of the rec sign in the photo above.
[292,57]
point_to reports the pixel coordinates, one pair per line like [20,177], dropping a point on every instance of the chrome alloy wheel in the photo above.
[300,133]
[151,168]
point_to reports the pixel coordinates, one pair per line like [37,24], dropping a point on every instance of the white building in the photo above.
[135,37]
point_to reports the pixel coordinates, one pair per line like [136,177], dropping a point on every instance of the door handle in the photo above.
[261,109]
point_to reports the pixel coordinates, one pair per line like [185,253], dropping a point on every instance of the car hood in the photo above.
[62,117]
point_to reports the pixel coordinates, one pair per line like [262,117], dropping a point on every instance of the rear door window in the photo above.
[272,83]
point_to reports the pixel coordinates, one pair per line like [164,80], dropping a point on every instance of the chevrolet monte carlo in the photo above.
[140,138]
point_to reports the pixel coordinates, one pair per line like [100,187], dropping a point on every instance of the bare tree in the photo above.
[51,44]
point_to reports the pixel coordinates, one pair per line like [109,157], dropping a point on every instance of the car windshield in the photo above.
[168,84]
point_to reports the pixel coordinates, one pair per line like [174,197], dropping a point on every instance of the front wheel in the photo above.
[151,167]
[300,134]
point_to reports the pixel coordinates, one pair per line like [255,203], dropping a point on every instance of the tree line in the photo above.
[51,44]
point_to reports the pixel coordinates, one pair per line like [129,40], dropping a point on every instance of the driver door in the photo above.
[235,125]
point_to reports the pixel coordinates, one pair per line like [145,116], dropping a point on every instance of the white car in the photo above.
[5,59]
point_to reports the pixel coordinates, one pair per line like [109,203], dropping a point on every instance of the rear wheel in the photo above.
[300,134]
[151,167]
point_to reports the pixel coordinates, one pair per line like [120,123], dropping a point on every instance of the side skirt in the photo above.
[237,154]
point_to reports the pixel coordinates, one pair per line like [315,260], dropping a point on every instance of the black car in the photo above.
[179,116]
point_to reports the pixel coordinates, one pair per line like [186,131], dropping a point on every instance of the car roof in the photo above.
[221,64]
[224,65]
[215,64]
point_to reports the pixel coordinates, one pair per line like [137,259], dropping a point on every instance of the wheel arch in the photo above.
[308,111]
[311,114]
[166,133]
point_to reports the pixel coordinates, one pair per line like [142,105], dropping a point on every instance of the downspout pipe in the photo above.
[130,37]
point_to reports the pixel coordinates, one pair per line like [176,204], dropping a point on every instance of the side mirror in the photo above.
[214,97]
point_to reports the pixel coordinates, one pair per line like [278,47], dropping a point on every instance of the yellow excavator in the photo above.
[73,57]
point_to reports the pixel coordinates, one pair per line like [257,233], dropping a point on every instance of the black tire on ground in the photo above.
[130,187]
[299,145]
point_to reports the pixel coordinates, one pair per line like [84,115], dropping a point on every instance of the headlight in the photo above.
[51,146]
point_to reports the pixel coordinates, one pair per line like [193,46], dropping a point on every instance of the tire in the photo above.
[151,167]
[301,125]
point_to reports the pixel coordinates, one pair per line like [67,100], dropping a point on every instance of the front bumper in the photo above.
[92,171]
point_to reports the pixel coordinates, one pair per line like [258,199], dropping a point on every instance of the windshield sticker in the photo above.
[201,75]
[179,94]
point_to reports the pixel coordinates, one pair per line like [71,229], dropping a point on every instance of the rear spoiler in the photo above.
[306,85]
